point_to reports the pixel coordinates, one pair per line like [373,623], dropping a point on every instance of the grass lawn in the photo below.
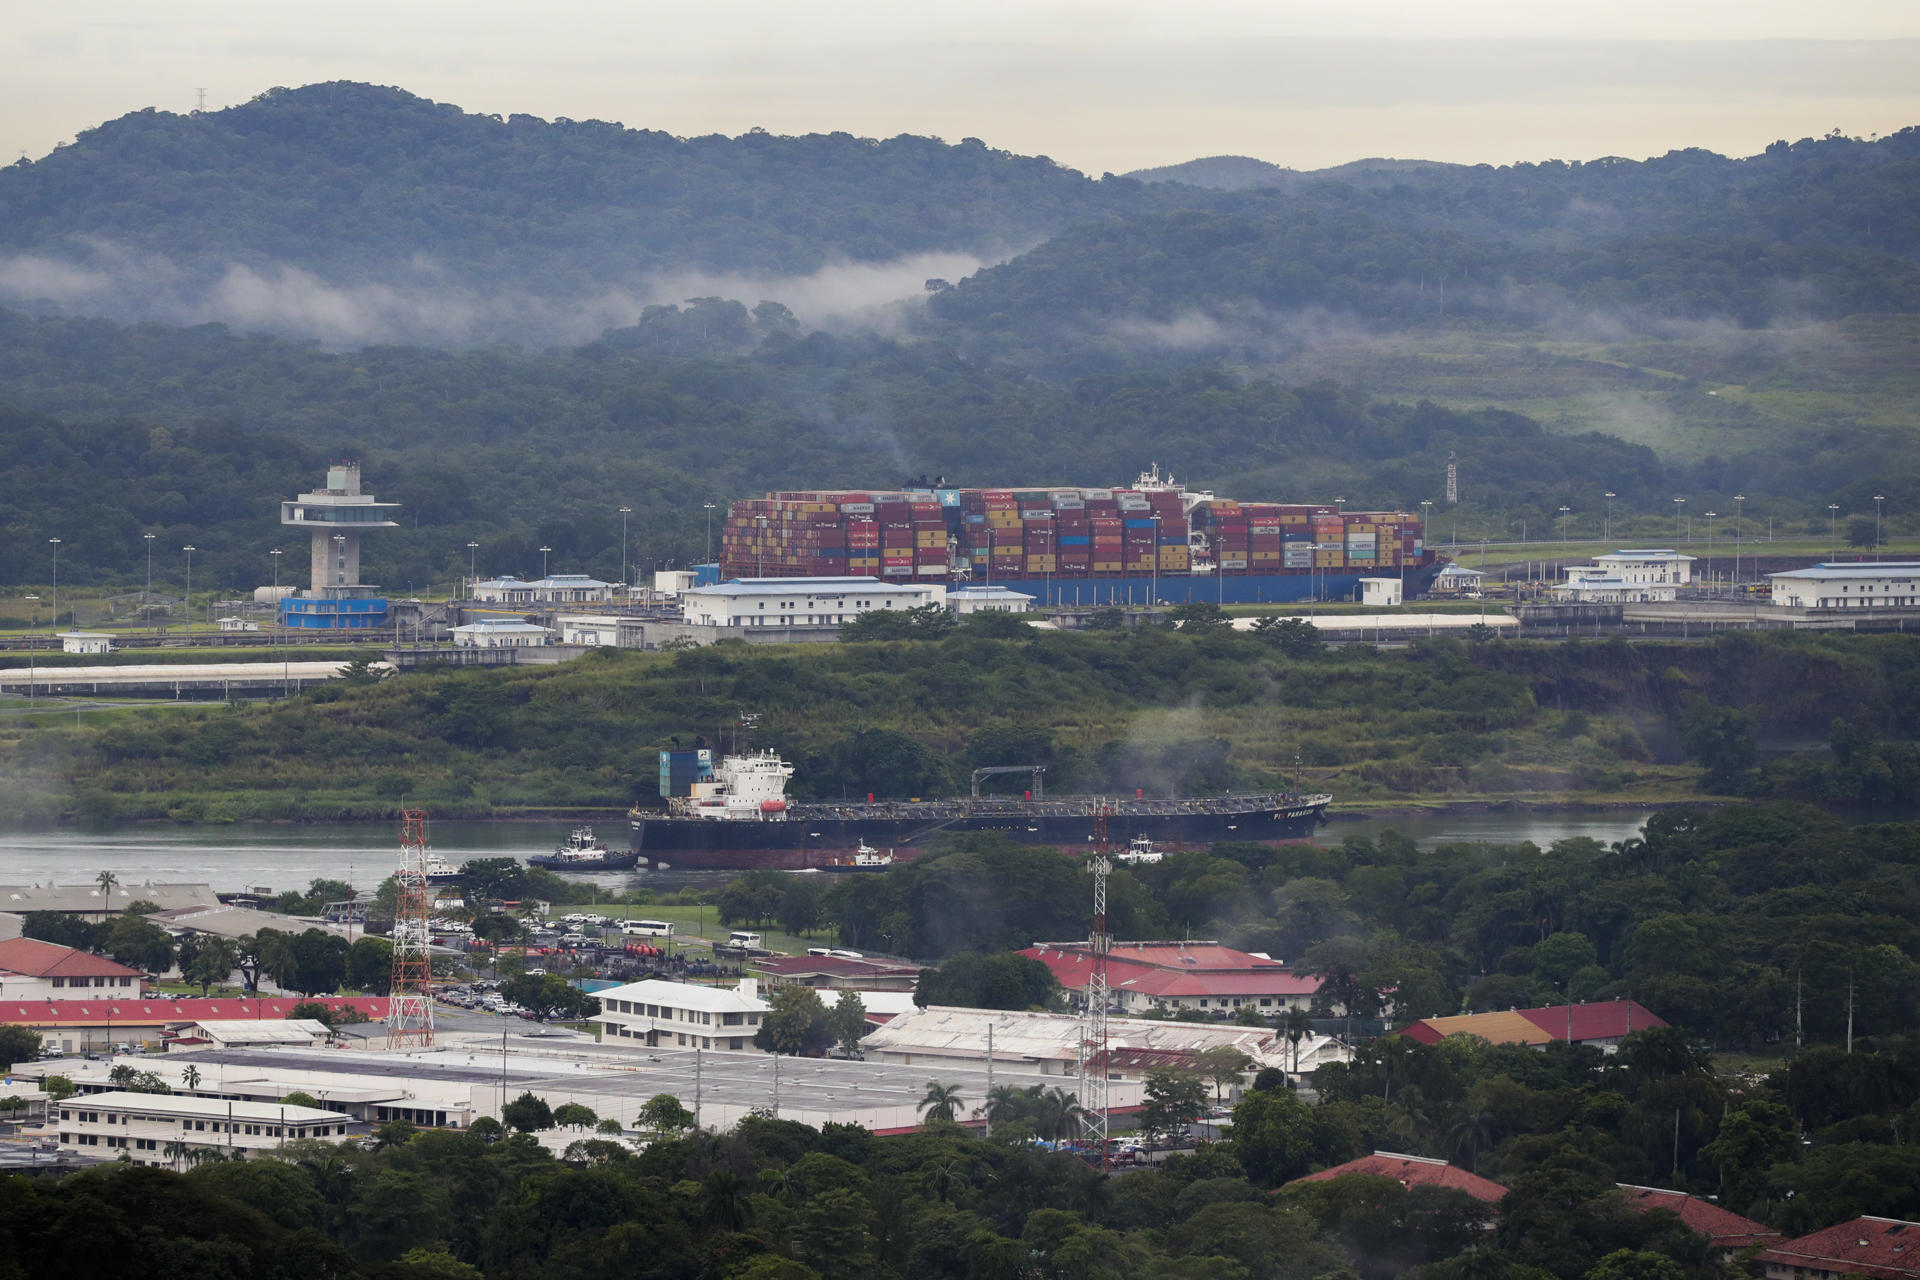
[703,922]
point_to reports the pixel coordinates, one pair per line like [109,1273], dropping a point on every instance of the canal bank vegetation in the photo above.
[1474,720]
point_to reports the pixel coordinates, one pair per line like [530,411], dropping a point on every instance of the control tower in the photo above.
[336,516]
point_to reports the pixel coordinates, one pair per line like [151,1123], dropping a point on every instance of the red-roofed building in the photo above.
[1727,1229]
[87,1023]
[1201,979]
[1879,1248]
[34,970]
[1602,1024]
[1414,1171]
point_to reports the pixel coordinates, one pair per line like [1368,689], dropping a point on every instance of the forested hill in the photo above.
[359,185]
[361,214]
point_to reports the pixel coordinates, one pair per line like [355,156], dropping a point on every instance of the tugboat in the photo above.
[1139,853]
[581,852]
[865,858]
[440,871]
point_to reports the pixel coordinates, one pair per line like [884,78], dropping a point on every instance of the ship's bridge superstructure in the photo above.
[743,786]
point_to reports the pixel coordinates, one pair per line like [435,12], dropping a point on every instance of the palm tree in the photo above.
[1298,1026]
[723,1201]
[1472,1132]
[1056,1113]
[190,1078]
[941,1104]
[1006,1102]
[107,880]
[176,1153]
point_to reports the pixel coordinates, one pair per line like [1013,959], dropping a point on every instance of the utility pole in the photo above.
[698,1081]
[988,1112]
[624,513]
[709,507]
[55,543]
[146,601]
[1849,1010]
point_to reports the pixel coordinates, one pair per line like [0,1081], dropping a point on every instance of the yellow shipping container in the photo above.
[1106,566]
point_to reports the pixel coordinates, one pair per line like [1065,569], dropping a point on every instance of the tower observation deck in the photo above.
[335,517]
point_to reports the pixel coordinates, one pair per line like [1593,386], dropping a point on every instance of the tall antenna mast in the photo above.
[1094,1093]
[410,998]
[200,103]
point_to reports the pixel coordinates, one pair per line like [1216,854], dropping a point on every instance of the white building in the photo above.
[145,1126]
[965,600]
[1050,1042]
[1627,577]
[799,602]
[1888,584]
[1457,579]
[86,642]
[599,630]
[237,624]
[681,1015]
[1382,592]
[556,588]
[233,1033]
[500,633]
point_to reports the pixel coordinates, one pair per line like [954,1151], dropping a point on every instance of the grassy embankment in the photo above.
[1440,723]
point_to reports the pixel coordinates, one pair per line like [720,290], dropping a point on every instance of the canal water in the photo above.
[281,856]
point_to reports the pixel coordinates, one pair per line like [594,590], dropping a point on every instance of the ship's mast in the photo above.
[410,998]
[1094,1093]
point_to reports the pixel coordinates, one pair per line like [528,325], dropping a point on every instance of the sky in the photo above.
[1100,85]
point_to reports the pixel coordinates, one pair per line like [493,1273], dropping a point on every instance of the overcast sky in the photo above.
[1096,84]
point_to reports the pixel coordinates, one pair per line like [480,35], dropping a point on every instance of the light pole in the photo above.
[1738,499]
[761,543]
[1050,555]
[146,601]
[989,555]
[189,549]
[624,513]
[1606,532]
[1679,509]
[473,570]
[1833,537]
[1878,498]
[709,507]
[1711,516]
[1566,523]
[543,562]
[55,543]
[31,628]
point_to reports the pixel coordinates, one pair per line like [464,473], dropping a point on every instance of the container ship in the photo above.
[735,814]
[1156,541]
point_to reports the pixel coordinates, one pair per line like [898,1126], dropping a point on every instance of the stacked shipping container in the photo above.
[1003,534]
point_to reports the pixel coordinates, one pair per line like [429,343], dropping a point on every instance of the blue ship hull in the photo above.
[1260,588]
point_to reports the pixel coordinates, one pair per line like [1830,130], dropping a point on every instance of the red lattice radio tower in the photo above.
[1094,1094]
[410,999]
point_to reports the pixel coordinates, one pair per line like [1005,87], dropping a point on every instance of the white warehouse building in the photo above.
[1888,584]
[145,1126]
[799,602]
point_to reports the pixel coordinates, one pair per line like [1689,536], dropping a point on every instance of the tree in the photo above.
[316,1011]
[17,1044]
[1200,617]
[63,930]
[662,1114]
[58,1087]
[574,1115]
[848,1021]
[970,980]
[1273,1136]
[493,880]
[300,1098]
[1297,1026]
[527,1113]
[1721,741]
[138,941]
[795,1022]
[206,960]
[1861,533]
[190,1078]
[370,965]
[1173,1099]
[1222,1064]
[548,995]
[1293,637]
[941,1104]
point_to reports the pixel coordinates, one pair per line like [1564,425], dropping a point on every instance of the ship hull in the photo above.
[1205,588]
[614,861]
[818,840]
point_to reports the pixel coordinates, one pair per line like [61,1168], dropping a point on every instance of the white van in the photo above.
[648,928]
[742,938]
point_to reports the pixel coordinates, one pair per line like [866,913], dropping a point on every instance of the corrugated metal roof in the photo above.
[132,1011]
[32,958]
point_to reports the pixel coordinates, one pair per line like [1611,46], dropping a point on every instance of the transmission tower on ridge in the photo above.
[1094,1093]
[410,998]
